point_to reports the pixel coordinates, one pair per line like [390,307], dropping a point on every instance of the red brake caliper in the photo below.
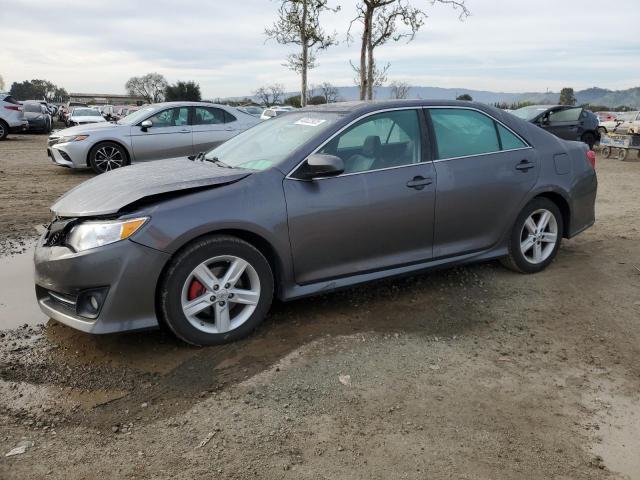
[195,289]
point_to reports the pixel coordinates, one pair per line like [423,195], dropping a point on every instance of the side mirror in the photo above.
[146,124]
[319,165]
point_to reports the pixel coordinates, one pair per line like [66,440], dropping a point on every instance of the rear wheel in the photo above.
[535,237]
[622,154]
[606,152]
[590,139]
[4,130]
[107,156]
[215,291]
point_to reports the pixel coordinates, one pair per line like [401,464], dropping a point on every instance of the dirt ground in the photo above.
[468,373]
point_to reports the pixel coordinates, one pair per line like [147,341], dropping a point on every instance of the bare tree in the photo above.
[399,90]
[384,20]
[150,86]
[271,94]
[329,92]
[298,23]
[379,77]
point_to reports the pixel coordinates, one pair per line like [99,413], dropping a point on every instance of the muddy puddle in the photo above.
[18,305]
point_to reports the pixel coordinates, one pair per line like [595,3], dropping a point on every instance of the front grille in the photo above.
[53,140]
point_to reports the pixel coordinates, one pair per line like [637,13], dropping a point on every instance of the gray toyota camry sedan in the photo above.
[315,200]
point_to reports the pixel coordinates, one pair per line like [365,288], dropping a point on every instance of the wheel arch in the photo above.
[563,204]
[108,140]
[258,241]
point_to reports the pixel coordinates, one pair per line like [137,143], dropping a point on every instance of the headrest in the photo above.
[371,146]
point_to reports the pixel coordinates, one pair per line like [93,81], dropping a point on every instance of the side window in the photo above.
[173,117]
[209,116]
[389,139]
[509,140]
[567,115]
[228,118]
[461,132]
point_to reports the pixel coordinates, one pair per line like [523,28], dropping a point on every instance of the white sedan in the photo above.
[84,115]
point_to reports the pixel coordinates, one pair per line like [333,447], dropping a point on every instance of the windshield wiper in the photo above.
[215,160]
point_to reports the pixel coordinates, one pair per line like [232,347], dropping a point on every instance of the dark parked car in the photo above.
[568,122]
[319,199]
[38,116]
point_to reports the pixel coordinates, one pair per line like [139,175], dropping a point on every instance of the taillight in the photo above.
[591,157]
[17,108]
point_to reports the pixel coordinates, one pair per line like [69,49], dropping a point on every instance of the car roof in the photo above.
[365,106]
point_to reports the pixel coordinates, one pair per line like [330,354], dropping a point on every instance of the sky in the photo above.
[94,46]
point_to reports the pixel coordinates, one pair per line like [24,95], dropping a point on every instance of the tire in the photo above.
[107,156]
[195,280]
[590,139]
[4,130]
[622,154]
[602,130]
[523,234]
[606,152]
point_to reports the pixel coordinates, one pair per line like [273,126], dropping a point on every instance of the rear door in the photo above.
[378,214]
[564,123]
[211,127]
[169,136]
[484,173]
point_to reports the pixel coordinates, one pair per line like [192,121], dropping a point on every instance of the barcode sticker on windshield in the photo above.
[310,122]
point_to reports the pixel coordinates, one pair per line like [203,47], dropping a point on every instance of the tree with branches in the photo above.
[270,95]
[151,86]
[385,20]
[1,83]
[328,91]
[399,90]
[298,23]
[567,96]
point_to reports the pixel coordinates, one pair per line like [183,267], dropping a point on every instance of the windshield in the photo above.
[270,142]
[85,112]
[529,113]
[137,116]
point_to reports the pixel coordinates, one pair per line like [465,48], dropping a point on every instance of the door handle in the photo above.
[185,131]
[524,165]
[419,182]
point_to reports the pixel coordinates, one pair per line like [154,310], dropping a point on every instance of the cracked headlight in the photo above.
[93,234]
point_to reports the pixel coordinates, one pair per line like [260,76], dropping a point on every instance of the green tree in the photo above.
[36,89]
[150,86]
[567,97]
[293,101]
[1,83]
[298,23]
[465,97]
[183,91]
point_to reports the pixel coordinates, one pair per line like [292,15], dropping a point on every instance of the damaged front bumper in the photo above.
[102,290]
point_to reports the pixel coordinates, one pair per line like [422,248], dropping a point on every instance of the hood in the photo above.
[110,192]
[91,127]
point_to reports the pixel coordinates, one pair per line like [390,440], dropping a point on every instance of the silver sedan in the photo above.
[159,131]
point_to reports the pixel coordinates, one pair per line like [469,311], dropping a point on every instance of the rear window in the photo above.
[10,99]
[32,107]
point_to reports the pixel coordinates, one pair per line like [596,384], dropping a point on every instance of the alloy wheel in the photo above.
[108,158]
[220,294]
[539,236]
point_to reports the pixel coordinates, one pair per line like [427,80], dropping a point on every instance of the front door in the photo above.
[484,174]
[378,214]
[169,136]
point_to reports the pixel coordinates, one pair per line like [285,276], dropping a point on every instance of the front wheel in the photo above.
[590,139]
[535,237]
[107,156]
[217,290]
[4,130]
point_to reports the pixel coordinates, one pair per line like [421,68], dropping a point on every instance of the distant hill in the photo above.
[593,96]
